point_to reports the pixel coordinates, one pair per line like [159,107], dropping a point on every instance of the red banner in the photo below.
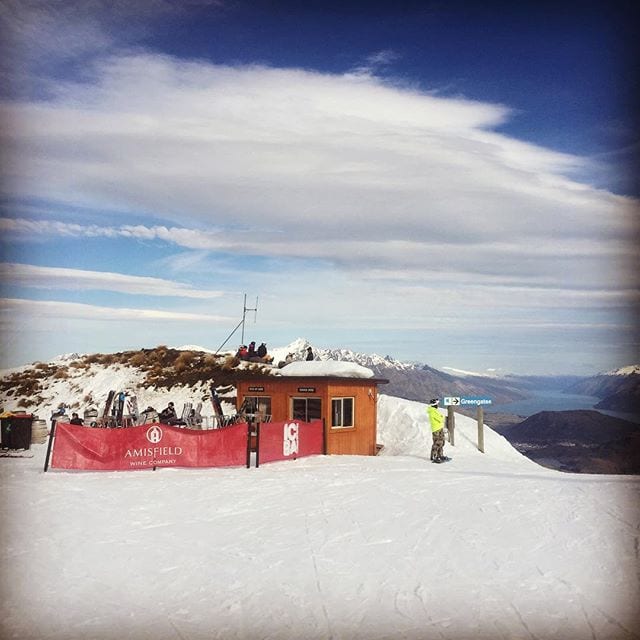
[147,446]
[290,440]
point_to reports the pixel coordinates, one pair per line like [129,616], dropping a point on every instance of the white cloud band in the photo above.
[75,279]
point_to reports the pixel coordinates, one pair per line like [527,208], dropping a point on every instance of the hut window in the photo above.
[306,409]
[341,412]
[258,406]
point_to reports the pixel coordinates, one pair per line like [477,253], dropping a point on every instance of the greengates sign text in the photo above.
[468,402]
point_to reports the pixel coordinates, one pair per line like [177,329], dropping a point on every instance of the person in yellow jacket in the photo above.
[437,421]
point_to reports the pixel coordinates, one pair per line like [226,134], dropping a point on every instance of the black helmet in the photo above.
[434,402]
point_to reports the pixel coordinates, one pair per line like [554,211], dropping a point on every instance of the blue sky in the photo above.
[442,182]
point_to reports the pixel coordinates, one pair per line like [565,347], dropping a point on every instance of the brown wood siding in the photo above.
[359,440]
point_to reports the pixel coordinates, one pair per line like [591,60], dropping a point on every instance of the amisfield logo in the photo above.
[147,456]
[154,435]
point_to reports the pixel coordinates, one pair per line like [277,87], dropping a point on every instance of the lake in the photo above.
[555,401]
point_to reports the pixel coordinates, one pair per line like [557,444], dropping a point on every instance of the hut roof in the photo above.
[325,368]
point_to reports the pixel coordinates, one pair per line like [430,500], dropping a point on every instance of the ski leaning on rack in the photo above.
[217,407]
[107,406]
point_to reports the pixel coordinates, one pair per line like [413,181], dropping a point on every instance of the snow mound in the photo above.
[326,368]
[403,429]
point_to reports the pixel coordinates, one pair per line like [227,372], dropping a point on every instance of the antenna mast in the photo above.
[244,314]
[241,323]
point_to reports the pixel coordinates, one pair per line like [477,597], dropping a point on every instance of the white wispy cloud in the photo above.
[76,279]
[16,310]
[41,33]
[295,156]
[375,62]
[555,263]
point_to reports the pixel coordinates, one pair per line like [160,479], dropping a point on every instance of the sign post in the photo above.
[451,425]
[480,403]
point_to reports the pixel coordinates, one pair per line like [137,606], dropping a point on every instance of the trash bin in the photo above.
[16,431]
[39,431]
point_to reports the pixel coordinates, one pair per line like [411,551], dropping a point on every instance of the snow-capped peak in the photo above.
[195,347]
[66,357]
[624,371]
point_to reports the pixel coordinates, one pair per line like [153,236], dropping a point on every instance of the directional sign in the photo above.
[469,401]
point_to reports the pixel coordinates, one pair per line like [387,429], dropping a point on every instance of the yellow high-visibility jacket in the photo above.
[435,418]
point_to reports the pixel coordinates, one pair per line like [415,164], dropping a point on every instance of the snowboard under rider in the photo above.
[437,421]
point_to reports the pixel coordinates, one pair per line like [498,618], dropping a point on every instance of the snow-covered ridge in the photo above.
[463,373]
[194,347]
[366,360]
[298,349]
[624,371]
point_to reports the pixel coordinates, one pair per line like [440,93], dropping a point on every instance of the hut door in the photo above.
[306,409]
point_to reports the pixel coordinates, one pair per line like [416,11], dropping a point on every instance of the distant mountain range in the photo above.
[580,441]
[618,390]
[421,382]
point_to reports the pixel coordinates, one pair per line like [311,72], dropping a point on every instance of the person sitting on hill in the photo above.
[242,352]
[252,350]
[76,419]
[58,413]
[309,354]
[262,350]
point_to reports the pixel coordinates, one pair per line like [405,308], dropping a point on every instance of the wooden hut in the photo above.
[344,394]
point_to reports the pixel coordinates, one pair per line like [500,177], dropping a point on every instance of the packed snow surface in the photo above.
[487,546]
[326,368]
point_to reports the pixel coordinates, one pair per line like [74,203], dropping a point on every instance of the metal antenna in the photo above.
[241,323]
[244,314]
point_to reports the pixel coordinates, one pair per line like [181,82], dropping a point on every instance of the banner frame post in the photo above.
[50,445]
[324,437]
[249,445]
